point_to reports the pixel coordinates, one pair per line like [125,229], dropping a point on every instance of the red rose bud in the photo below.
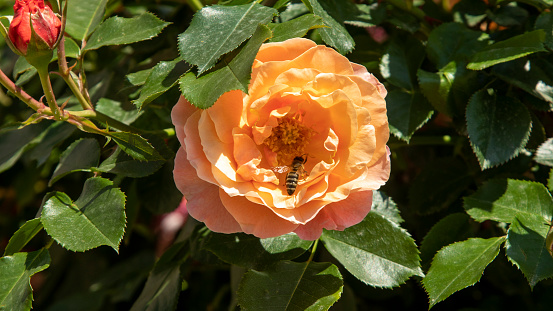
[34,19]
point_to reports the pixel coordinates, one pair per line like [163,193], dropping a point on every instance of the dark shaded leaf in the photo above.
[407,113]
[81,155]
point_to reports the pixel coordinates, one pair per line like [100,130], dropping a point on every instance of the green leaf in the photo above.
[297,27]
[139,78]
[255,253]
[385,207]
[512,48]
[115,110]
[83,16]
[119,30]
[438,185]
[14,142]
[22,236]
[123,164]
[216,30]
[450,229]
[96,218]
[336,35]
[15,272]
[291,286]
[202,92]
[162,288]
[498,127]
[502,200]
[443,48]
[161,182]
[544,154]
[52,136]
[135,146]
[81,155]
[532,75]
[527,248]
[509,15]
[365,251]
[545,22]
[407,113]
[161,78]
[459,265]
[400,63]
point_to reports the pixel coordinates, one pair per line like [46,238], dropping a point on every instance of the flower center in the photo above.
[289,139]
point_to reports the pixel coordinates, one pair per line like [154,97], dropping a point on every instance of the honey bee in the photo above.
[294,171]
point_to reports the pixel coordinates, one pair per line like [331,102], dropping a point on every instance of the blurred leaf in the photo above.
[401,61]
[544,155]
[291,286]
[216,30]
[158,193]
[509,49]
[527,248]
[365,251]
[252,252]
[297,27]
[83,16]
[135,146]
[366,15]
[407,113]
[14,142]
[15,272]
[123,164]
[545,22]
[509,15]
[81,155]
[498,127]
[162,288]
[502,200]
[443,47]
[459,265]
[161,78]
[139,78]
[450,229]
[532,75]
[385,207]
[22,236]
[55,134]
[115,110]
[96,218]
[120,30]
[438,185]
[204,91]
[336,34]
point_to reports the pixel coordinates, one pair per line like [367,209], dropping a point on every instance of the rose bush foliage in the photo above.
[305,100]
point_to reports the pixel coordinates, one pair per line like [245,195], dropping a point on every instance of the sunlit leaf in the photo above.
[22,236]
[544,154]
[335,34]
[83,16]
[160,79]
[297,27]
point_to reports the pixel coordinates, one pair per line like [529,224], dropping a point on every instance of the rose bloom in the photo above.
[46,25]
[305,100]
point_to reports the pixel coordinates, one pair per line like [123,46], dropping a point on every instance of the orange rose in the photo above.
[305,100]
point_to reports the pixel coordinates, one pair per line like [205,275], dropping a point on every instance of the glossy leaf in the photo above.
[116,111]
[544,154]
[135,146]
[509,49]
[407,113]
[498,126]
[527,247]
[15,272]
[438,185]
[81,155]
[291,286]
[401,61]
[22,236]
[255,253]
[120,30]
[202,92]
[297,27]
[450,229]
[161,78]
[216,30]
[376,251]
[122,164]
[386,207]
[502,200]
[83,16]
[96,218]
[459,265]
[335,34]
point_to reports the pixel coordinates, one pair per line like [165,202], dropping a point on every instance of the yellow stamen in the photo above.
[289,139]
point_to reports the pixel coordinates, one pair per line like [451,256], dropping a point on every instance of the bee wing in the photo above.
[281,169]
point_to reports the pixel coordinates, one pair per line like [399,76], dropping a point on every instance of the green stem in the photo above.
[48,92]
[195,5]
[107,120]
[66,75]
[49,243]
[24,97]
[313,249]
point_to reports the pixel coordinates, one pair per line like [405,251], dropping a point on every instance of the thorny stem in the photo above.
[65,73]
[19,93]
